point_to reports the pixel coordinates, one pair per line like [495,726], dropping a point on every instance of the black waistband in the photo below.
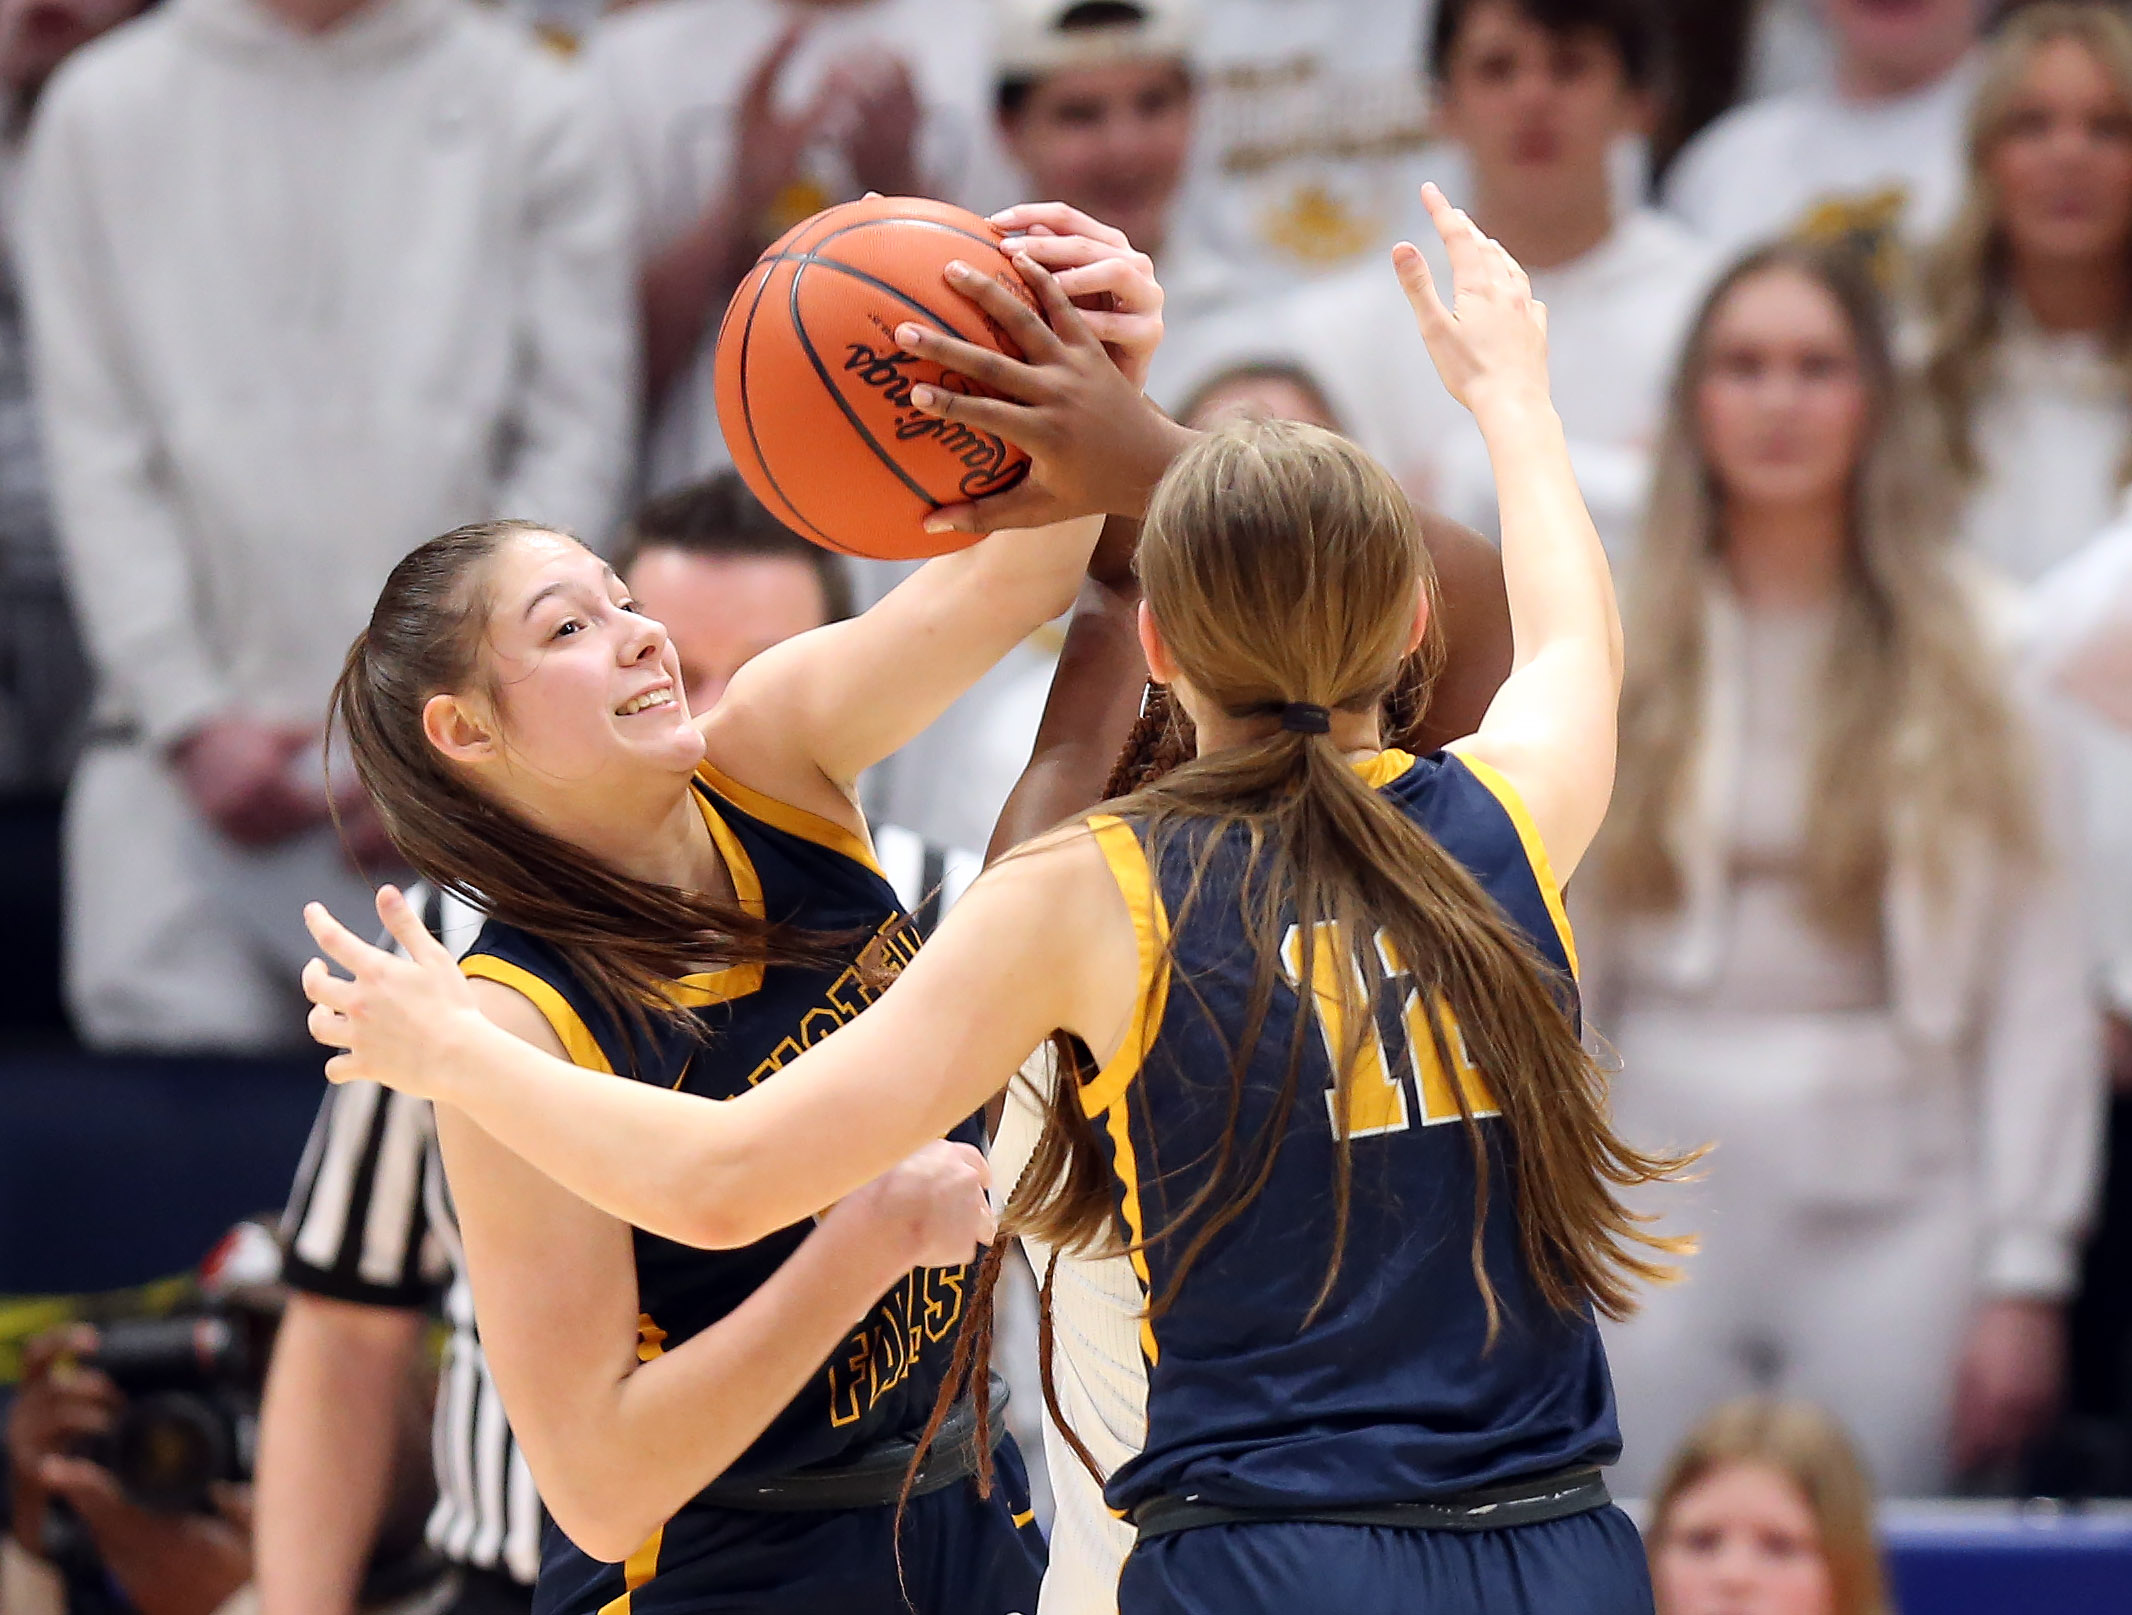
[873,1476]
[1529,1501]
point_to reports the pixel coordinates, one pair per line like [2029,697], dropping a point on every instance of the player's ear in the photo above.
[460,733]
[1420,627]
[1160,666]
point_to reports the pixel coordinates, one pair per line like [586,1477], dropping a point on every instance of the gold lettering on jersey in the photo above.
[880,962]
[878,1357]
[1378,1087]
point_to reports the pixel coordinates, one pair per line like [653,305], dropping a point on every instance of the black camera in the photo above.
[191,1417]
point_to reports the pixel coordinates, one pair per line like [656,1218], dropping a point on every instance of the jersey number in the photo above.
[1378,1095]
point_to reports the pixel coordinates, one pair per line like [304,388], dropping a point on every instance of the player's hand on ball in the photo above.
[1113,286]
[930,1211]
[1096,445]
[1490,344]
[392,1017]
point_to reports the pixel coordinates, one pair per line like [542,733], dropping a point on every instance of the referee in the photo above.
[371,1248]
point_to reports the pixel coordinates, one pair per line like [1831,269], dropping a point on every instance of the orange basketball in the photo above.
[814,390]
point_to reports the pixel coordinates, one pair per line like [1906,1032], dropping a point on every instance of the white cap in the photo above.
[1031,40]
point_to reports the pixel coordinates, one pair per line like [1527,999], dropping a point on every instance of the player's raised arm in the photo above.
[1551,728]
[843,697]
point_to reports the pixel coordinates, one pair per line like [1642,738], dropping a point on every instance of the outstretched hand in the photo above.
[392,1016]
[1096,445]
[1491,341]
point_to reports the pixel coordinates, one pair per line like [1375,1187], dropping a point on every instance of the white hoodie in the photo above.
[297,303]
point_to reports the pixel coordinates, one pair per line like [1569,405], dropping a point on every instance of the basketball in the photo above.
[814,390]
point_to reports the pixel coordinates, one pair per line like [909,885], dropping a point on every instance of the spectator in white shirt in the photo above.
[739,118]
[1873,159]
[1097,105]
[1535,93]
[2030,322]
[2029,298]
[307,280]
[1833,923]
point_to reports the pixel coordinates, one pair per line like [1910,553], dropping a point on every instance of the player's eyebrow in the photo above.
[541,594]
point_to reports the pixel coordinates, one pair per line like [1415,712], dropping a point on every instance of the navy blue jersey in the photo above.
[793,866]
[1390,1391]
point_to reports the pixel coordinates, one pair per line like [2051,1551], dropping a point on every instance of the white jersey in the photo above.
[1098,1373]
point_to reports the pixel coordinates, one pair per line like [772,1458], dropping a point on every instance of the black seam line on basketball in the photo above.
[799,327]
[904,218]
[879,285]
[747,415]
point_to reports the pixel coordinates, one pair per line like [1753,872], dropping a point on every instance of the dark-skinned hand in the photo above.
[1094,441]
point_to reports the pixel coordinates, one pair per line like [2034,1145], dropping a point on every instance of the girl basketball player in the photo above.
[714,1431]
[1334,1097]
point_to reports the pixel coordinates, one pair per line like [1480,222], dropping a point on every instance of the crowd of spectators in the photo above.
[1840,309]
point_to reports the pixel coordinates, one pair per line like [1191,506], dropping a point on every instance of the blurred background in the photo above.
[1840,299]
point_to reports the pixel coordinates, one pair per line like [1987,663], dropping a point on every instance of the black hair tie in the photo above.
[1300,717]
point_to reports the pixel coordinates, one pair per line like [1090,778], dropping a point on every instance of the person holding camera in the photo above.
[100,1549]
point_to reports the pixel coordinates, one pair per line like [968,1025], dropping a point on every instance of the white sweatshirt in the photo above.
[299,303]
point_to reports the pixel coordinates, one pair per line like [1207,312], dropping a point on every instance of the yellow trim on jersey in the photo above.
[1104,1094]
[1119,1125]
[577,1039]
[1543,872]
[1026,1517]
[705,987]
[792,820]
[1151,929]
[1379,771]
[637,1569]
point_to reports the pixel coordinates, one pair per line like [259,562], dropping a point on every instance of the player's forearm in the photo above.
[1554,569]
[1094,699]
[677,1423]
[326,1444]
[869,686]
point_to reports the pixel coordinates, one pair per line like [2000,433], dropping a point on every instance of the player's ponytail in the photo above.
[1282,566]
[625,938]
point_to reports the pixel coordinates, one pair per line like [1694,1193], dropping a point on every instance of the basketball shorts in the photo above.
[1587,1564]
[962,1555]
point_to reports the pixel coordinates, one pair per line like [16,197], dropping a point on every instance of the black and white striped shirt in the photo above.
[370,1220]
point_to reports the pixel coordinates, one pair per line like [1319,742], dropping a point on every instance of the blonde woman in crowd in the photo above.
[2030,297]
[1833,931]
[2030,371]
[1765,1507]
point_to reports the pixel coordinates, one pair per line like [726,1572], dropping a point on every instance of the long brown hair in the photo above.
[1966,279]
[626,939]
[1283,565]
[1912,705]
[1807,1447]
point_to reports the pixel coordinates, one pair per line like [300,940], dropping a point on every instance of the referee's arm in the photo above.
[328,1435]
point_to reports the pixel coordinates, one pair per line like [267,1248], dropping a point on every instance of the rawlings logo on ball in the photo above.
[985,458]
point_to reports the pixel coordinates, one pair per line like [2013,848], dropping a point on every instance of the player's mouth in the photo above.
[659,695]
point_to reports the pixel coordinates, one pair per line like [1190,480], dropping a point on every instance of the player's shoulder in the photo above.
[1459,798]
[520,953]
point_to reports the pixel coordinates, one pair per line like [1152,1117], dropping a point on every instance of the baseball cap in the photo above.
[1036,37]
